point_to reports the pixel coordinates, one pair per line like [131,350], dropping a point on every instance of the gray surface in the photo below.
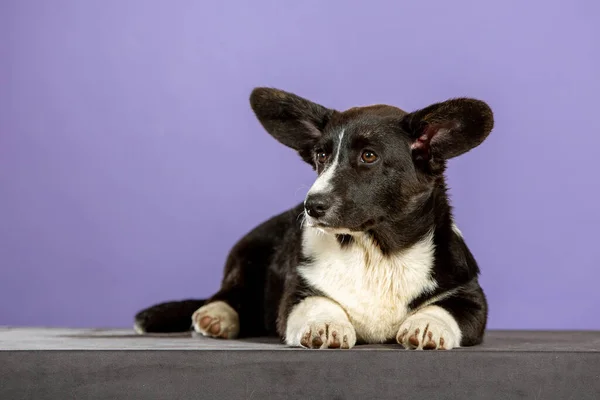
[98,339]
[97,364]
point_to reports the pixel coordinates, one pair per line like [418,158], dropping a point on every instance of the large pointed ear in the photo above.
[295,122]
[445,130]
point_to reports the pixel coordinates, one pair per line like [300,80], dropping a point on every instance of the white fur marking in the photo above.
[430,327]
[456,230]
[319,320]
[440,297]
[374,290]
[323,182]
[138,329]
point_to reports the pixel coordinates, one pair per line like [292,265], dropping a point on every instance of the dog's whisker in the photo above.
[301,187]
[302,218]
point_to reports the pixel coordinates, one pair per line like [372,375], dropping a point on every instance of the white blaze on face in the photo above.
[323,182]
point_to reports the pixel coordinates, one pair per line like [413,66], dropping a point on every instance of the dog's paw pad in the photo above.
[422,333]
[216,320]
[327,335]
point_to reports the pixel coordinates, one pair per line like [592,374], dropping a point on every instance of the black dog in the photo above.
[373,254]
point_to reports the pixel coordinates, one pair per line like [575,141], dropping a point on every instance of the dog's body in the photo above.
[372,255]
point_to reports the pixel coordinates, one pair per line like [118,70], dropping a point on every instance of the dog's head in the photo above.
[374,163]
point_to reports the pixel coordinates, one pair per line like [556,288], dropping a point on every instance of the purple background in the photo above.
[130,161]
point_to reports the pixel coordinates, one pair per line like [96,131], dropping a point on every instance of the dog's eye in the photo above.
[368,157]
[321,157]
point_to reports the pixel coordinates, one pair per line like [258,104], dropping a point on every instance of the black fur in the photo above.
[396,199]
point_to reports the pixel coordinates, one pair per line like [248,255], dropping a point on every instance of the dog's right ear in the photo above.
[295,122]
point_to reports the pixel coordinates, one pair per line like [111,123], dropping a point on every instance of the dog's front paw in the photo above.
[217,320]
[323,335]
[424,331]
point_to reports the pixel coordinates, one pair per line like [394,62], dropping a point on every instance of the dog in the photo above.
[372,255]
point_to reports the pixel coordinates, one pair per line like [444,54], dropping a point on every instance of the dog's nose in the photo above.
[316,205]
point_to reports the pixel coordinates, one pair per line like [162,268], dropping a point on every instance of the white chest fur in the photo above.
[373,289]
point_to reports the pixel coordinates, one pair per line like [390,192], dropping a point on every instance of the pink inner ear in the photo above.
[422,146]
[423,141]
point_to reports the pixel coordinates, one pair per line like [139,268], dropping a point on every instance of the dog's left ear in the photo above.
[292,120]
[448,129]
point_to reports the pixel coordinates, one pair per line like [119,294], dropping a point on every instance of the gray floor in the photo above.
[117,364]
[99,339]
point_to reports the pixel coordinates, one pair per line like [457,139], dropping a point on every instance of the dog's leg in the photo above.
[234,311]
[430,328]
[318,322]
[217,319]
[167,317]
[456,321]
[237,310]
